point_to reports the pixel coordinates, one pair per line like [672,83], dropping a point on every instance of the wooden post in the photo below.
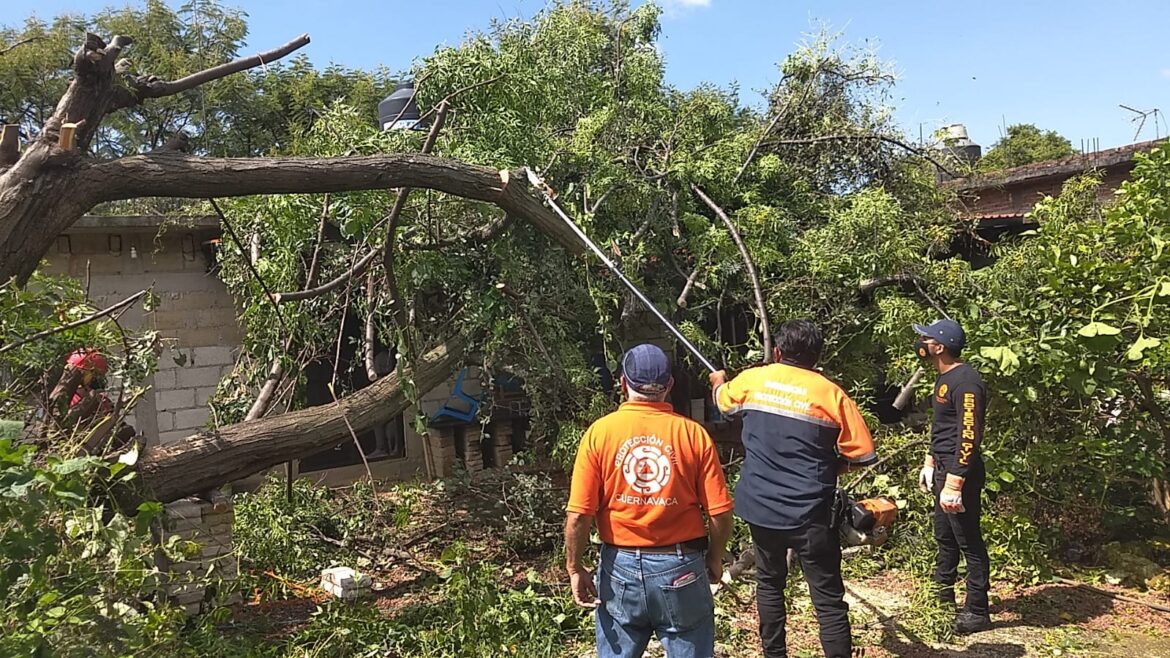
[68,135]
[9,144]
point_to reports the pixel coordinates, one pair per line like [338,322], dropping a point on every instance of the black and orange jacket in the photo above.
[797,428]
[956,431]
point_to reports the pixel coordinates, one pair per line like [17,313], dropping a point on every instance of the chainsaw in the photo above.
[864,522]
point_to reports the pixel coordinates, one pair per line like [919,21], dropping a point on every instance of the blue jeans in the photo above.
[664,594]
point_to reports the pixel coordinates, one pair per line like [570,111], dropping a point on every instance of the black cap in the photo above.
[946,332]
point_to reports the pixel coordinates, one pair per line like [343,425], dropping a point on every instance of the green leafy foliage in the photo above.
[1024,144]
[76,578]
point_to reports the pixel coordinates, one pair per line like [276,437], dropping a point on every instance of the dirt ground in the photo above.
[1043,620]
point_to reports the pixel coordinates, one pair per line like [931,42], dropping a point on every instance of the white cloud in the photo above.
[677,6]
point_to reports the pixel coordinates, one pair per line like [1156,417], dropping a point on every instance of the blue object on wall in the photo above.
[458,394]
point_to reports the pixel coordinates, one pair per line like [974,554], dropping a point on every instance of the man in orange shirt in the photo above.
[648,475]
[799,431]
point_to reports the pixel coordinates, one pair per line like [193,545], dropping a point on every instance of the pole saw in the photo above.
[860,522]
[548,193]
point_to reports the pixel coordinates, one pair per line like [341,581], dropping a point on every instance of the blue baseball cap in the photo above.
[947,332]
[646,369]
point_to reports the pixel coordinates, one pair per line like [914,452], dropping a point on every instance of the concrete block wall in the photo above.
[209,526]
[196,317]
[185,381]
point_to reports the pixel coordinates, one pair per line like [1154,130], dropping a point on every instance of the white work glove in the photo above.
[926,475]
[951,498]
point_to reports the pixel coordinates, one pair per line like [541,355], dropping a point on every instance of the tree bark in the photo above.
[211,458]
[38,202]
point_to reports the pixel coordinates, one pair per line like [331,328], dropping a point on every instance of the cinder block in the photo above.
[198,377]
[212,355]
[191,418]
[210,336]
[166,421]
[215,318]
[173,358]
[164,380]
[202,395]
[180,398]
[215,549]
[169,320]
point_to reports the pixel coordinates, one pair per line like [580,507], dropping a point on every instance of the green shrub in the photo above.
[76,578]
[274,534]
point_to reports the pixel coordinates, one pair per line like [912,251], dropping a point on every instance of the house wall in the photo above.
[196,318]
[1018,198]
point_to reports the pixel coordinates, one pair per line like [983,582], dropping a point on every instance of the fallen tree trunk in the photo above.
[212,458]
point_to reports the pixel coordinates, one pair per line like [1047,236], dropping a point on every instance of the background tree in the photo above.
[1024,144]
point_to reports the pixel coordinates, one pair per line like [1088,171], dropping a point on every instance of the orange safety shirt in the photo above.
[647,473]
[797,429]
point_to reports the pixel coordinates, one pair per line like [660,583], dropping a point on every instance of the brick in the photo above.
[171,359]
[166,421]
[191,418]
[198,377]
[214,550]
[184,509]
[202,395]
[183,398]
[172,319]
[215,355]
[164,379]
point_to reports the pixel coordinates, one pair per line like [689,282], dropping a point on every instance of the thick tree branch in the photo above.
[905,281]
[9,144]
[315,261]
[186,176]
[211,458]
[757,289]
[145,87]
[370,336]
[358,268]
[271,383]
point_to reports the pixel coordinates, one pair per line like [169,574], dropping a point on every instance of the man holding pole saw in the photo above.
[799,431]
[953,471]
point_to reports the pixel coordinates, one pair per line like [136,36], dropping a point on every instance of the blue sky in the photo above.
[1063,65]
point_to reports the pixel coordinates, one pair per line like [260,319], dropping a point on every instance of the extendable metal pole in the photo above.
[548,200]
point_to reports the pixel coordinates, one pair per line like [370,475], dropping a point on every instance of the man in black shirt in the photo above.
[953,471]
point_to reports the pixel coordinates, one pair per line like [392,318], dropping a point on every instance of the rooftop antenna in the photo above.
[1140,119]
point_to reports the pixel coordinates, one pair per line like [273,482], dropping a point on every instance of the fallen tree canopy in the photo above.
[49,185]
[212,458]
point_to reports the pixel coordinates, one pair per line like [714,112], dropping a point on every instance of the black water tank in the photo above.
[399,111]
